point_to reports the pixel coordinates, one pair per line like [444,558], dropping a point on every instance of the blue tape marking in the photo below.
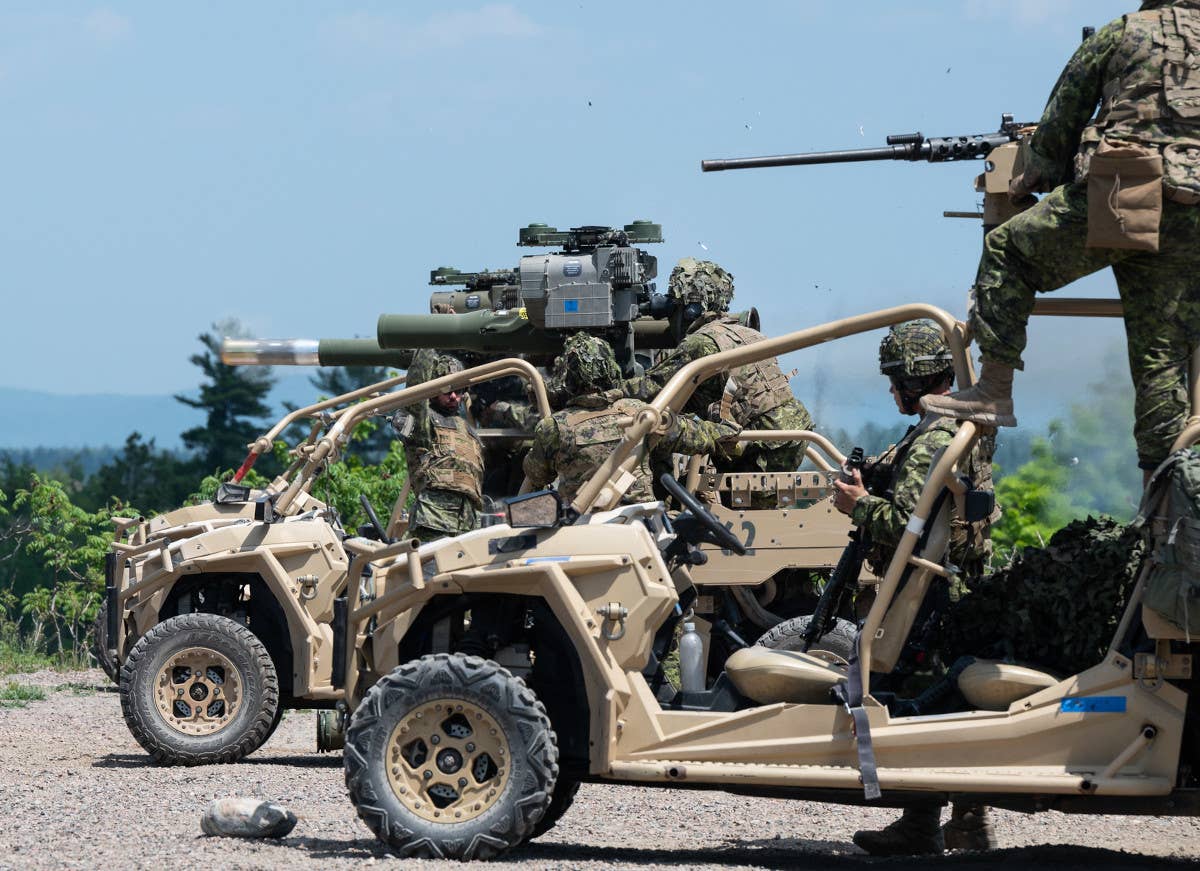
[570,305]
[1093,705]
[547,559]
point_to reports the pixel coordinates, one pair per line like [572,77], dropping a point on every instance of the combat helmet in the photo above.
[587,365]
[428,364]
[915,356]
[703,284]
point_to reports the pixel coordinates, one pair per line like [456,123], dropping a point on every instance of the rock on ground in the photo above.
[78,792]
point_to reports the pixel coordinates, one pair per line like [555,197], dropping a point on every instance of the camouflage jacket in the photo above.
[574,443]
[884,515]
[1123,70]
[445,462]
[758,388]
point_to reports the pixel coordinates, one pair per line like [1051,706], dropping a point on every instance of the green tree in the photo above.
[140,475]
[233,399]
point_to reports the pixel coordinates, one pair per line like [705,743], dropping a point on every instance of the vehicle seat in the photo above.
[769,676]
[993,686]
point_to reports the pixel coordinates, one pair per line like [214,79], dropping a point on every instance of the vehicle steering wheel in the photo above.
[717,532]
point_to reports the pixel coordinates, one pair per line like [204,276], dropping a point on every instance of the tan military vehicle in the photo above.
[491,673]
[220,616]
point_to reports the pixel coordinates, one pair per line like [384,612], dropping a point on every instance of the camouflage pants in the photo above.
[438,513]
[772,456]
[1043,249]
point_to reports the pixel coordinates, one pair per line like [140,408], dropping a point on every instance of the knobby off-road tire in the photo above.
[560,802]
[789,635]
[100,644]
[450,756]
[199,689]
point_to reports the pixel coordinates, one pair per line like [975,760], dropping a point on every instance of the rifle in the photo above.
[845,573]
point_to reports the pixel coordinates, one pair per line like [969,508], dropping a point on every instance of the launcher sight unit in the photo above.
[597,280]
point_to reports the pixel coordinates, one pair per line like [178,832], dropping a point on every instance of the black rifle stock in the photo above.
[845,573]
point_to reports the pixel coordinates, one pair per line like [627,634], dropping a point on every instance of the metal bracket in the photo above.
[1162,664]
[308,587]
[615,613]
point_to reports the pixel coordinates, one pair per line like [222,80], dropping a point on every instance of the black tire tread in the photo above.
[100,644]
[136,715]
[789,635]
[467,672]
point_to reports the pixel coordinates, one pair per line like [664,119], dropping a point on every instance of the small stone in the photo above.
[247,818]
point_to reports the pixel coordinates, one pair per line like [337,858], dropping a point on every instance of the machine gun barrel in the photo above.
[852,155]
[904,146]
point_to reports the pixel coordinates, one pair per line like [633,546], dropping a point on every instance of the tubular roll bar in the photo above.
[679,389]
[263,443]
[328,445]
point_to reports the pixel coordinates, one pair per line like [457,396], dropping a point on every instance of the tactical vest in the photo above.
[970,543]
[758,387]
[454,459]
[1152,96]
[588,438]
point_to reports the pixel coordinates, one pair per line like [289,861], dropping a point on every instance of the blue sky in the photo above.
[302,165]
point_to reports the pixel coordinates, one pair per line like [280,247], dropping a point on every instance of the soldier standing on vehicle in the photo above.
[916,359]
[445,457]
[576,441]
[1125,193]
[755,396]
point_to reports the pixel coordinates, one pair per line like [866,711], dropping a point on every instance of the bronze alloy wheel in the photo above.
[448,761]
[198,691]
[451,757]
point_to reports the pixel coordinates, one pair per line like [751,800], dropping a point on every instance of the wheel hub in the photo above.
[448,761]
[198,691]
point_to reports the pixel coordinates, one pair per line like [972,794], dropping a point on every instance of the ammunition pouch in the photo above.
[1125,197]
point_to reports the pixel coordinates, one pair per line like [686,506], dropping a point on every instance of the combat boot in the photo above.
[916,833]
[989,402]
[969,828]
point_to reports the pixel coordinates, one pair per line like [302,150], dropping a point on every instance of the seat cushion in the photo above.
[993,686]
[768,676]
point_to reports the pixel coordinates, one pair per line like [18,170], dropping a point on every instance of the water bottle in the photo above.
[691,660]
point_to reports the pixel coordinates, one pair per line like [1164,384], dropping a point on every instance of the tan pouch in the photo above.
[1125,198]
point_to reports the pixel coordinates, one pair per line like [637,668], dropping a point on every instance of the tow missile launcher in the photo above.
[597,280]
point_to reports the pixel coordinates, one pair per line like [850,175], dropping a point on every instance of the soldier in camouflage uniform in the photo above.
[755,396]
[445,457]
[574,443]
[916,359]
[1144,71]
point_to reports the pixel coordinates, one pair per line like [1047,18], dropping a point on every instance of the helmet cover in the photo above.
[702,282]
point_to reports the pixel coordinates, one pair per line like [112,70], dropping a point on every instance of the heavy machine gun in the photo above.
[1000,150]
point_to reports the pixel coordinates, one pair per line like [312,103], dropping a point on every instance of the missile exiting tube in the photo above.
[310,352]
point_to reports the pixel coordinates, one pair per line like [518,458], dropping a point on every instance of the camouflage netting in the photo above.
[913,349]
[703,282]
[1055,607]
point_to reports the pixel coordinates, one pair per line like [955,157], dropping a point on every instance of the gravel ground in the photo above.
[77,792]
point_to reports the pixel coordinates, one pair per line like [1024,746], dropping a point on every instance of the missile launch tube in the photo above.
[508,331]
